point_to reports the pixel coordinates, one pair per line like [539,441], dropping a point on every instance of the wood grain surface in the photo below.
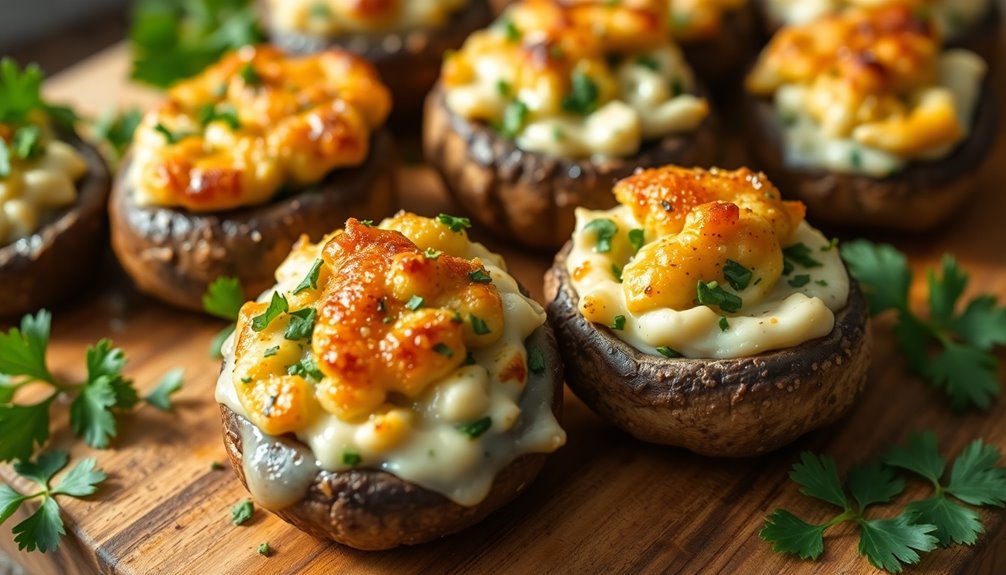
[604,502]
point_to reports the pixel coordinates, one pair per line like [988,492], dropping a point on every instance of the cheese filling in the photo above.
[253,123]
[951,17]
[868,92]
[786,293]
[455,411]
[546,77]
[36,181]
[326,18]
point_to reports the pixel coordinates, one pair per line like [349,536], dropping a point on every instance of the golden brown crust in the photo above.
[408,62]
[174,255]
[371,509]
[917,198]
[60,257]
[724,408]
[529,197]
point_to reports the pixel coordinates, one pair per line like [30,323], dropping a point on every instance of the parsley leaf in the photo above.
[42,530]
[22,351]
[90,413]
[478,325]
[920,456]
[712,294]
[480,276]
[975,479]
[175,40]
[116,129]
[818,477]
[584,95]
[535,360]
[242,511]
[605,231]
[476,428]
[169,384]
[21,96]
[301,324]
[514,116]
[887,543]
[310,281]
[224,298]
[277,305]
[636,239]
[955,524]
[264,549]
[800,254]
[874,483]
[454,223]
[307,369]
[23,428]
[737,275]
[949,350]
[790,534]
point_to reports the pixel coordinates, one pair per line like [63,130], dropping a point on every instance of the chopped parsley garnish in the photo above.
[535,359]
[583,97]
[42,529]
[456,224]
[738,276]
[617,272]
[216,466]
[480,276]
[510,31]
[415,302]
[270,351]
[307,369]
[27,142]
[277,305]
[469,358]
[856,158]
[432,254]
[5,167]
[169,136]
[668,352]
[443,349]
[832,243]
[310,281]
[822,283]
[246,379]
[649,62]
[227,114]
[605,231]
[799,280]
[264,549]
[712,294]
[170,383]
[514,116]
[798,254]
[224,298]
[677,87]
[250,75]
[478,326]
[351,458]
[504,88]
[618,322]
[476,428]
[368,223]
[117,128]
[724,324]
[242,512]
[636,239]
[301,324]
[952,346]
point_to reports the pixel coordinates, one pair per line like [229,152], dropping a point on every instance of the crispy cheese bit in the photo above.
[392,320]
[665,273]
[255,121]
[694,20]
[663,198]
[428,233]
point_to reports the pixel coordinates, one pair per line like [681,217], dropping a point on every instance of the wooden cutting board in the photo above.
[604,502]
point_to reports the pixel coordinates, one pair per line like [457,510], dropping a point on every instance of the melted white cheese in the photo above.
[786,317]
[655,100]
[952,17]
[435,454]
[334,17]
[806,145]
[36,187]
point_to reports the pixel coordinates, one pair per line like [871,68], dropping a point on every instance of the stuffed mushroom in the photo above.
[406,41]
[53,192]
[717,36]
[394,387]
[865,118]
[704,312]
[544,110]
[241,160]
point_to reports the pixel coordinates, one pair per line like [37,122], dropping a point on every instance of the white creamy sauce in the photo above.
[656,100]
[786,317]
[435,454]
[332,17]
[806,145]
[36,187]
[952,17]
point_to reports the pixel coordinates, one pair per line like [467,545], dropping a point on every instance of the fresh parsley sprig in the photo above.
[173,40]
[42,529]
[223,299]
[922,524]
[974,479]
[886,543]
[95,400]
[21,95]
[115,129]
[963,364]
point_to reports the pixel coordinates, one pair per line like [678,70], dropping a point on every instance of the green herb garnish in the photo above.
[799,280]
[310,281]
[712,294]
[301,324]
[480,276]
[307,369]
[636,239]
[242,512]
[456,224]
[478,326]
[649,62]
[277,305]
[535,360]
[668,352]
[724,324]
[476,428]
[415,302]
[618,322]
[351,458]
[514,116]
[443,349]
[584,95]
[605,231]
[737,275]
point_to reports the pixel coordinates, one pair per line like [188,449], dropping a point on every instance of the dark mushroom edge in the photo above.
[717,407]
[173,254]
[720,61]
[529,197]
[407,61]
[62,256]
[916,198]
[371,509]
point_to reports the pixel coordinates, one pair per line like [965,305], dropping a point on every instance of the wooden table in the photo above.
[604,502]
